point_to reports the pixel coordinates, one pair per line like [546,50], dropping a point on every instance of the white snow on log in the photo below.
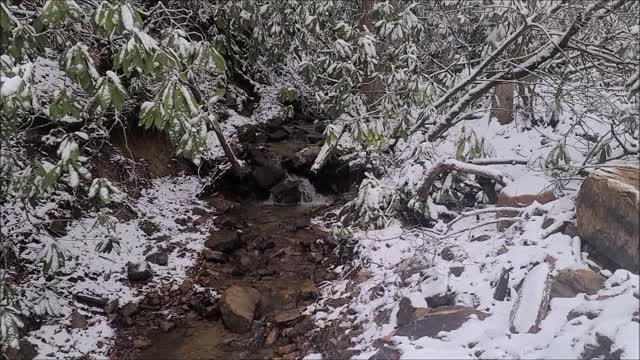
[533,295]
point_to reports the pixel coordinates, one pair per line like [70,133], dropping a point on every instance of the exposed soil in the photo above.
[283,256]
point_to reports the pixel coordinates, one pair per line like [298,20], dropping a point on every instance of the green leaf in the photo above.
[218,60]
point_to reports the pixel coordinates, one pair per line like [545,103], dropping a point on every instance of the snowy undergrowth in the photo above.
[99,275]
[396,262]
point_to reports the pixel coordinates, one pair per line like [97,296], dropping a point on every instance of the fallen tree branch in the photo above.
[494,161]
[455,165]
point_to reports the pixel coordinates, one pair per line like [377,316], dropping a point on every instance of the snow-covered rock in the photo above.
[531,305]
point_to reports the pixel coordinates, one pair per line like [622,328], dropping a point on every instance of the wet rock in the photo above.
[287,192]
[569,283]
[226,241]
[272,337]
[166,326]
[129,309]
[286,349]
[286,316]
[502,289]
[532,304]
[141,343]
[238,307]
[523,192]
[158,258]
[77,320]
[267,176]
[215,256]
[447,254]
[304,159]
[148,227]
[456,270]
[406,312]
[607,209]
[299,329]
[446,318]
[308,291]
[206,306]
[140,271]
[278,135]
[221,204]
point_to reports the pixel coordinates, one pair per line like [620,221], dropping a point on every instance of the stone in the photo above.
[166,326]
[271,337]
[148,227]
[286,316]
[406,312]
[91,300]
[158,258]
[286,349]
[141,343]
[291,356]
[226,241]
[278,135]
[447,254]
[77,320]
[456,270]
[304,159]
[215,256]
[221,204]
[267,176]
[480,238]
[287,192]
[439,300]
[111,306]
[532,304]
[238,308]
[569,283]
[129,309]
[502,288]
[433,321]
[607,208]
[521,193]
[138,272]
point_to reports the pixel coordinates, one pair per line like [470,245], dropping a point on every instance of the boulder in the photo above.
[304,159]
[238,308]
[607,209]
[78,321]
[287,192]
[140,271]
[267,176]
[569,283]
[226,241]
[532,304]
[521,193]
[431,322]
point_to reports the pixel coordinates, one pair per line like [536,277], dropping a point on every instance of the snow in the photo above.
[527,185]
[10,86]
[86,271]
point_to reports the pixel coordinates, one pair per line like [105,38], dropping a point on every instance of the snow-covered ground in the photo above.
[88,272]
[397,262]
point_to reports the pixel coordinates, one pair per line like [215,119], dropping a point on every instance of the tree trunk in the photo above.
[236,165]
[503,103]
